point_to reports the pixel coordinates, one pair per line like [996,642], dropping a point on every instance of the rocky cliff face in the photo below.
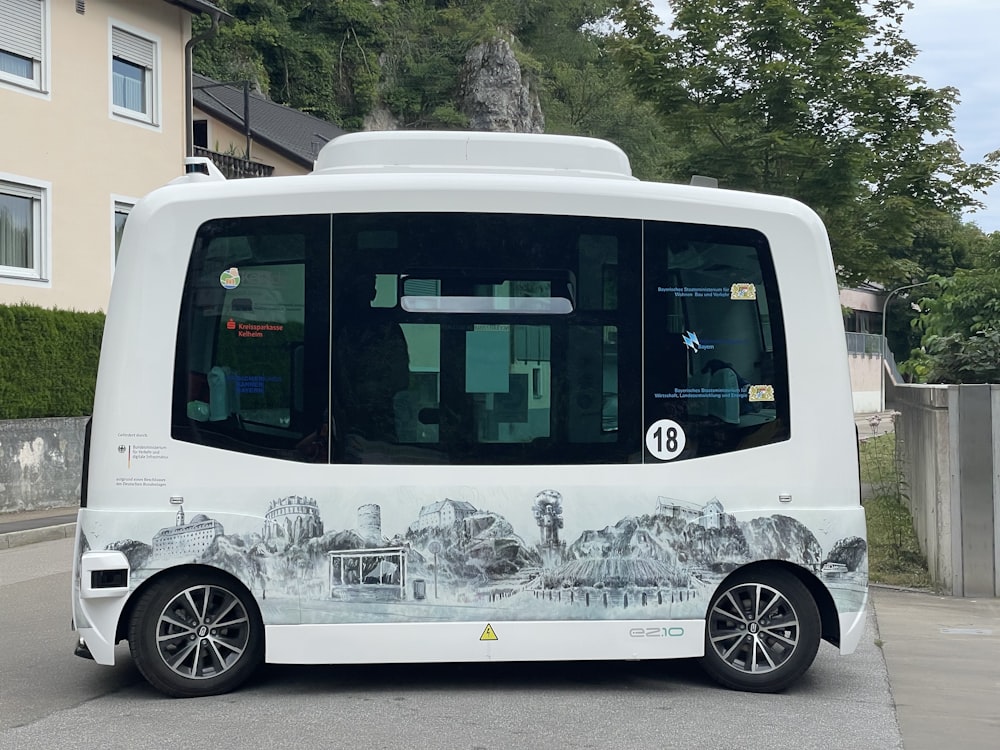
[495,95]
[380,118]
[779,537]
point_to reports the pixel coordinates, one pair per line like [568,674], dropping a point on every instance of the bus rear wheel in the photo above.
[195,634]
[762,631]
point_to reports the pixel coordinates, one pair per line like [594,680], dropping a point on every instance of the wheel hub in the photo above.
[195,649]
[753,628]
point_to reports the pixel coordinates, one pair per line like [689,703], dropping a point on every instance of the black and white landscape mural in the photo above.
[457,561]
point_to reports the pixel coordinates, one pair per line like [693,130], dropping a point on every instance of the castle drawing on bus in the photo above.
[668,559]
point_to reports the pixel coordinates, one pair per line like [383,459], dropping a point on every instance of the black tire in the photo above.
[762,631]
[196,633]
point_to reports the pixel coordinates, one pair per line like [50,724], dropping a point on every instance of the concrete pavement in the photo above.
[943,658]
[942,654]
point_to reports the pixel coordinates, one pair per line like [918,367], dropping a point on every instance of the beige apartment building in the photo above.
[92,117]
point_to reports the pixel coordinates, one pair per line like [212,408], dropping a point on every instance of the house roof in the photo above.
[294,134]
[200,6]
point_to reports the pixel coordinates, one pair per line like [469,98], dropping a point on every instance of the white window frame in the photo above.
[38,191]
[120,204]
[149,62]
[34,49]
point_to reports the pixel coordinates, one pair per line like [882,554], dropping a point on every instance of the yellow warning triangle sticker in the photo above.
[488,634]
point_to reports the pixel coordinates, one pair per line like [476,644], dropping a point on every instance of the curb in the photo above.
[31,536]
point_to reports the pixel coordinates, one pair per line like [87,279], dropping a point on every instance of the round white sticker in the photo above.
[665,439]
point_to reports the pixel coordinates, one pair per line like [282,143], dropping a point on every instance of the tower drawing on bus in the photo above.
[549,517]
[292,519]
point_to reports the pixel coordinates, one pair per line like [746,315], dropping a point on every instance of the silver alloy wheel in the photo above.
[202,632]
[753,628]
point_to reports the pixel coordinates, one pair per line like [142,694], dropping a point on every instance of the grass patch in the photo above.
[894,556]
[878,465]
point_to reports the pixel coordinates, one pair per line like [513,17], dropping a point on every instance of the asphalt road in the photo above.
[52,699]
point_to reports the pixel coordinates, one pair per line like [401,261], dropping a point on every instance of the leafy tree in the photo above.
[940,245]
[344,59]
[319,56]
[810,99]
[961,329]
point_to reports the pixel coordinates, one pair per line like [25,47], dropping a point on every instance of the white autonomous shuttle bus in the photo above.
[466,397]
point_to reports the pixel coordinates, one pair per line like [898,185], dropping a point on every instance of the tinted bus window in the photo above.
[485,339]
[479,339]
[251,368]
[715,369]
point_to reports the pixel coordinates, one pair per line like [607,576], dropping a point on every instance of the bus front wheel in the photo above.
[195,634]
[762,631]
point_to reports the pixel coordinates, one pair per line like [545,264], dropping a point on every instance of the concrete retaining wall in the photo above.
[949,442]
[41,462]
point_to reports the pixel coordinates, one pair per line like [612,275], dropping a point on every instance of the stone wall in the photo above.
[41,462]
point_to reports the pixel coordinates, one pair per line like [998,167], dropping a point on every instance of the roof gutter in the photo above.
[216,14]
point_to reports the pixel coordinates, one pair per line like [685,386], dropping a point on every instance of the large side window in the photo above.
[251,369]
[715,369]
[486,339]
[479,339]
[23,223]
[22,42]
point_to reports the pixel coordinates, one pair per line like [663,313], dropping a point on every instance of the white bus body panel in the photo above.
[802,491]
[495,641]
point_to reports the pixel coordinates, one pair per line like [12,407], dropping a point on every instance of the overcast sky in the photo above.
[958,41]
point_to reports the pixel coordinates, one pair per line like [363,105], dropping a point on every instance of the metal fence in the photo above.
[864,343]
[871,343]
[235,167]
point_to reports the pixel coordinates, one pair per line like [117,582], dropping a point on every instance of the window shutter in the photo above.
[21,28]
[132,48]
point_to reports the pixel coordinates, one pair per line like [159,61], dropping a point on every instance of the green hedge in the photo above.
[48,361]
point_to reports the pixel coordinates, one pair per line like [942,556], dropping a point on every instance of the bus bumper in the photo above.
[102,589]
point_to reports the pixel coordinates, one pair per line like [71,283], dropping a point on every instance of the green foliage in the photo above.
[347,59]
[810,99]
[49,363]
[960,326]
[319,56]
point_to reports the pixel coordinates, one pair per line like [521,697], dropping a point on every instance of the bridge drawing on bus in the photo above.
[663,564]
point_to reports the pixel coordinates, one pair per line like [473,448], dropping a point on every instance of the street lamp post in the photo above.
[885,306]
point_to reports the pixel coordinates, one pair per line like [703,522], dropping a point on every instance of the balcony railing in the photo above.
[235,167]
[871,343]
[864,343]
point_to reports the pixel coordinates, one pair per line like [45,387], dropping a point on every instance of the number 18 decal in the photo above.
[665,439]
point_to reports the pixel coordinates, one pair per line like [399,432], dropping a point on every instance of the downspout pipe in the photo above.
[189,83]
